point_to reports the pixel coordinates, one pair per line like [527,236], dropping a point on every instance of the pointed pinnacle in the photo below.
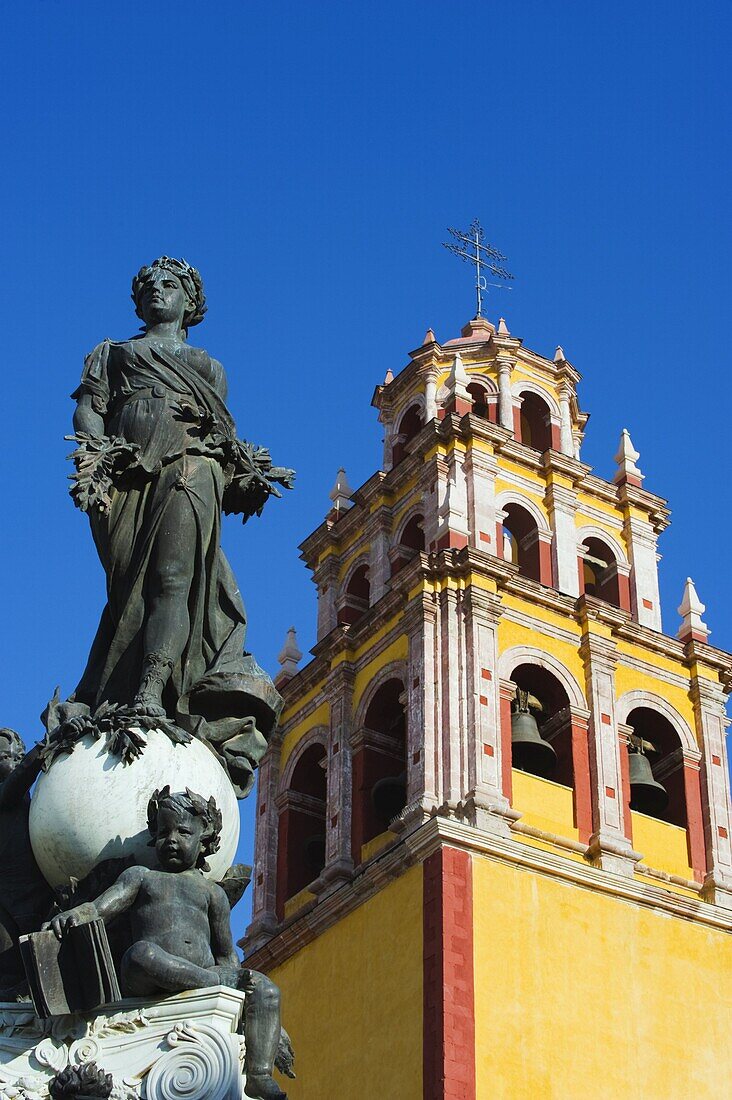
[559,356]
[341,492]
[626,459]
[503,327]
[691,610]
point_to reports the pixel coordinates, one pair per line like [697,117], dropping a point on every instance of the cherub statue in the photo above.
[181,935]
[25,896]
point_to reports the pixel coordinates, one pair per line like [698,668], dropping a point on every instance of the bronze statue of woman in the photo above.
[158,460]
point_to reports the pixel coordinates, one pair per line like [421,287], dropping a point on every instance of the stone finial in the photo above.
[429,337]
[559,356]
[388,377]
[626,457]
[457,399]
[691,610]
[457,379]
[289,658]
[341,493]
[503,327]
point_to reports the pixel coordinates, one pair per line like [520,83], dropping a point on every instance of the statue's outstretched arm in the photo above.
[117,899]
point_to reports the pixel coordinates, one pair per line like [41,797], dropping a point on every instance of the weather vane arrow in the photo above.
[473,248]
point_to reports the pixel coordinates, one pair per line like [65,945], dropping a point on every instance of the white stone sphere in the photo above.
[89,806]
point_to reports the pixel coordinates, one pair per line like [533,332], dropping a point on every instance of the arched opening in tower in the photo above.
[411,542]
[482,406]
[379,766]
[656,759]
[356,597]
[410,425]
[599,570]
[301,826]
[521,541]
[535,423]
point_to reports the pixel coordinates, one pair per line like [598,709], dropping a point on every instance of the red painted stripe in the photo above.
[448,1057]
[695,823]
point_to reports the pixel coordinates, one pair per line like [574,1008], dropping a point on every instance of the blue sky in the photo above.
[308,158]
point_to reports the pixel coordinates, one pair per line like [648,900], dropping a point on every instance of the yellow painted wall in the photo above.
[352,1001]
[579,994]
[397,651]
[662,845]
[319,717]
[543,804]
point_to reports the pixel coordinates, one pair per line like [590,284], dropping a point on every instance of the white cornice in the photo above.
[438,832]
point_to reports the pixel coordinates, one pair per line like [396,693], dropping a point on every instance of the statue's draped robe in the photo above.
[151,394]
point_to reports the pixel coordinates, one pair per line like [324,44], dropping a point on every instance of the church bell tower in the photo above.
[493,839]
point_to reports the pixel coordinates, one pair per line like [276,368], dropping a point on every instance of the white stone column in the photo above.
[480,475]
[643,554]
[430,396]
[565,411]
[609,847]
[485,803]
[505,364]
[562,505]
[711,723]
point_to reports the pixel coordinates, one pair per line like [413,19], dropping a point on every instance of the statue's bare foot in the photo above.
[148,706]
[264,1087]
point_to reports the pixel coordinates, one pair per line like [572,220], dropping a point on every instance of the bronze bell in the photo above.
[389,796]
[646,794]
[529,751]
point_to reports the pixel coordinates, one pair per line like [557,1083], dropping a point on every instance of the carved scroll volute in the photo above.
[202,1064]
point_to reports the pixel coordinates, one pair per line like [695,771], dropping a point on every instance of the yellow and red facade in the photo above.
[502,934]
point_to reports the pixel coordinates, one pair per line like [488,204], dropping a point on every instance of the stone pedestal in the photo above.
[186,1047]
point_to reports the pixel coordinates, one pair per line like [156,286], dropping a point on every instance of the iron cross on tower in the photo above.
[472,248]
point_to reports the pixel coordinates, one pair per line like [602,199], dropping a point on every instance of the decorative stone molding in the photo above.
[510,659]
[639,698]
[439,830]
[318,735]
[186,1047]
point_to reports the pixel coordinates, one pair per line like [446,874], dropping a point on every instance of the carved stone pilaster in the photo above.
[643,553]
[326,579]
[480,475]
[451,671]
[485,804]
[711,722]
[609,847]
[264,901]
[452,508]
[338,861]
[562,505]
[379,565]
[423,774]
